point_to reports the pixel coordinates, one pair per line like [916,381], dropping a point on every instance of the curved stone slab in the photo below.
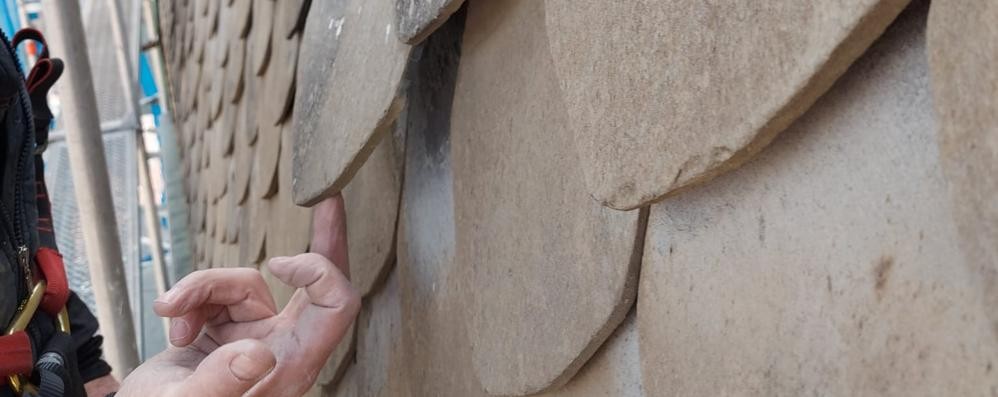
[240,16]
[829,264]
[336,367]
[235,73]
[279,81]
[435,288]
[380,358]
[260,34]
[666,94]
[615,370]
[417,19]
[367,73]
[371,201]
[553,271]
[316,57]
[290,227]
[963,61]
[240,173]
[268,150]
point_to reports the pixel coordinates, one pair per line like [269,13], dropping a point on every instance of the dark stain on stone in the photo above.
[828,282]
[882,272]
[762,229]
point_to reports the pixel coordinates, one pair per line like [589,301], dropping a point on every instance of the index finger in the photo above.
[242,290]
[329,232]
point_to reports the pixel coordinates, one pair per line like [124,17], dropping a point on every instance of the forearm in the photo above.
[102,386]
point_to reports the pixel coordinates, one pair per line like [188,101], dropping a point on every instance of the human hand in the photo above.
[247,347]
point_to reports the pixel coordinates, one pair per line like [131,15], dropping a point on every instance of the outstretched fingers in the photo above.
[213,296]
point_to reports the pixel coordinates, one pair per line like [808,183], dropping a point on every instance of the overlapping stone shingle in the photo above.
[827,266]
[367,74]
[664,95]
[415,20]
[963,61]
[554,272]
[371,201]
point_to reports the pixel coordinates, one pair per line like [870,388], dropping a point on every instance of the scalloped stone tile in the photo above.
[665,95]
[417,19]
[829,264]
[235,71]
[260,34]
[268,150]
[367,74]
[554,272]
[241,17]
[615,370]
[319,45]
[293,17]
[336,367]
[371,201]
[380,357]
[963,54]
[435,288]
[241,170]
[290,227]
[279,81]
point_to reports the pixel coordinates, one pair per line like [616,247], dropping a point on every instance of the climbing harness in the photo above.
[49,289]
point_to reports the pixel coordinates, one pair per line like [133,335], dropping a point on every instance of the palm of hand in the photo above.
[247,347]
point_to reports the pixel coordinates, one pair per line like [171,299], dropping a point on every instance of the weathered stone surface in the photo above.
[268,150]
[235,71]
[339,360]
[380,364]
[963,61]
[279,81]
[293,18]
[242,164]
[553,271]
[416,19]
[435,288]
[852,282]
[664,95]
[290,227]
[614,371]
[240,17]
[319,44]
[367,73]
[371,201]
[348,387]
[260,34]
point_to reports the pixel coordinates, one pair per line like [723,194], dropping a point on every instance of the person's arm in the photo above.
[102,386]
[94,371]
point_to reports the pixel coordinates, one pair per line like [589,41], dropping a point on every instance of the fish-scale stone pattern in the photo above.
[478,142]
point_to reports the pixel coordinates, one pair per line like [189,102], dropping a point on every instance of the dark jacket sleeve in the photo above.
[87,343]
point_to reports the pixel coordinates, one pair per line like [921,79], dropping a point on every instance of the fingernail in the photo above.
[166,297]
[179,330]
[246,368]
[277,260]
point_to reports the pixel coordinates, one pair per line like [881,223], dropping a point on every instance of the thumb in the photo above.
[230,370]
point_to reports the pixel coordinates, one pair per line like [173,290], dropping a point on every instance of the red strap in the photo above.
[31,34]
[57,292]
[15,355]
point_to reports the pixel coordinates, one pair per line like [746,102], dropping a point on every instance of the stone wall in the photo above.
[592,198]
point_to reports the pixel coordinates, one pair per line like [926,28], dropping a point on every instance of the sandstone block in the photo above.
[829,264]
[662,95]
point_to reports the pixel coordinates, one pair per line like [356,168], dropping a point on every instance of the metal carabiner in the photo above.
[24,315]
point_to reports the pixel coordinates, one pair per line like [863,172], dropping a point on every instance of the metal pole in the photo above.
[130,83]
[93,188]
[156,56]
